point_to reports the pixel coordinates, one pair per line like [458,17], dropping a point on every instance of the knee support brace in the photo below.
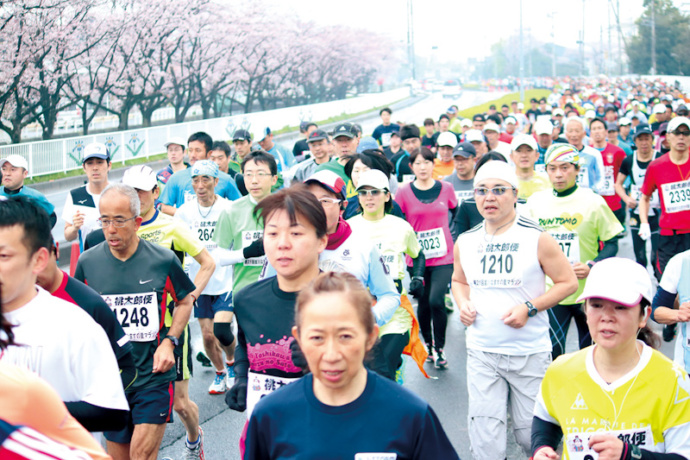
[223,332]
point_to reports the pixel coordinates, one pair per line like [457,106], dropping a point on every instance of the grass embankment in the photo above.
[506,99]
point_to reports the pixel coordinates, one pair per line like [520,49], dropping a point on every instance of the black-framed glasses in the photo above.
[117,223]
[497,191]
[372,192]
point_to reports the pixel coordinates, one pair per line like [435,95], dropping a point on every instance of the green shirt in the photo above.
[236,229]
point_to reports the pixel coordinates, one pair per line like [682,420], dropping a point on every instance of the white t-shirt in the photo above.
[202,222]
[91,214]
[504,271]
[63,345]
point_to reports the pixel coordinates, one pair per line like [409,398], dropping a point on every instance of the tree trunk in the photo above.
[124,118]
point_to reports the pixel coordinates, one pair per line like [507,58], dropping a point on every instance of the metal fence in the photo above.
[62,155]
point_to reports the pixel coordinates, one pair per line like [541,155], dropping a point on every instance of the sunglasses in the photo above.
[373,192]
[497,191]
[678,132]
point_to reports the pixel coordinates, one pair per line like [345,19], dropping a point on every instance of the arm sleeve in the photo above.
[225,257]
[382,287]
[241,357]
[662,298]
[609,250]
[545,434]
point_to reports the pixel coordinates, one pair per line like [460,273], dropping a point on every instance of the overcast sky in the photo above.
[468,28]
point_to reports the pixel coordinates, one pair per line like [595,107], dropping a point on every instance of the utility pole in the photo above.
[522,61]
[608,54]
[653,69]
[410,41]
[553,43]
[582,42]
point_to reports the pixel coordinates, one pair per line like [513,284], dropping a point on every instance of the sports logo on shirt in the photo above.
[579,403]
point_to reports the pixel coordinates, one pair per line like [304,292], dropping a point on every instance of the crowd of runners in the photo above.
[316,272]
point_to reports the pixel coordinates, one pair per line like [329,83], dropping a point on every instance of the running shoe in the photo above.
[669,332]
[441,361]
[229,374]
[449,304]
[196,453]
[219,385]
[203,359]
[430,351]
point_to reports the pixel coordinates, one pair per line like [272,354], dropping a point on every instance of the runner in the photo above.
[295,235]
[499,285]
[301,150]
[394,238]
[675,282]
[383,132]
[443,163]
[612,157]
[319,146]
[80,212]
[426,203]
[213,308]
[635,168]
[579,220]
[464,156]
[14,170]
[165,231]
[242,141]
[525,154]
[59,284]
[175,147]
[618,399]
[670,174]
[140,303]
[360,163]
[591,167]
[179,190]
[74,358]
[321,415]
[410,141]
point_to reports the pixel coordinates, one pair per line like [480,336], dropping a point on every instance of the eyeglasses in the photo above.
[329,201]
[497,191]
[373,192]
[678,132]
[117,223]
[260,175]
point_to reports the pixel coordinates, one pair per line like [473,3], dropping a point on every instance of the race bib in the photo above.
[407,178]
[248,237]
[498,266]
[636,194]
[136,313]
[569,243]
[433,243]
[463,195]
[676,196]
[583,177]
[540,168]
[386,139]
[608,182]
[261,385]
[204,232]
[577,444]
[189,196]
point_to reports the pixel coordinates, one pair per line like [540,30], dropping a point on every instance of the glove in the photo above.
[256,249]
[644,233]
[236,398]
[297,356]
[417,287]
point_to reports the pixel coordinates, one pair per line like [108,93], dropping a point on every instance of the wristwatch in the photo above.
[173,339]
[531,309]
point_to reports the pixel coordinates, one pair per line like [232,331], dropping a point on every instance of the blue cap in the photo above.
[205,168]
[367,143]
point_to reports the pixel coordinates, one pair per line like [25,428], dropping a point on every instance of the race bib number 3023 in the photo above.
[137,314]
[433,243]
[676,196]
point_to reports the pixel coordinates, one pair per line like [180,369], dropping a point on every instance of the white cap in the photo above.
[373,178]
[447,139]
[466,122]
[496,170]
[676,122]
[619,280]
[96,150]
[523,139]
[474,135]
[261,133]
[543,127]
[659,108]
[176,141]
[491,126]
[141,177]
[521,105]
[504,149]
[635,102]
[558,111]
[511,119]
[624,121]
[590,114]
[17,161]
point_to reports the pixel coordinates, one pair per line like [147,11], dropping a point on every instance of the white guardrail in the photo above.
[62,155]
